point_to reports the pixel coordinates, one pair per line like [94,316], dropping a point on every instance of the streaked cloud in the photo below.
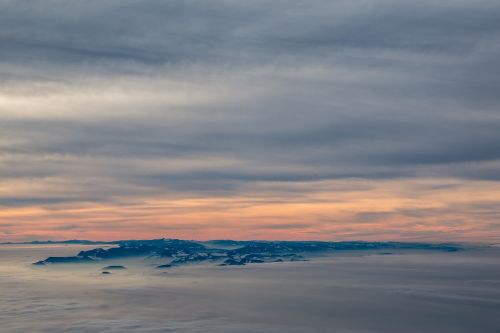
[117,103]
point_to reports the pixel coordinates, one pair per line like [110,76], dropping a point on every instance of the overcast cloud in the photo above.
[106,100]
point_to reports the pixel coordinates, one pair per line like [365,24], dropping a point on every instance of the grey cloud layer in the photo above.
[210,95]
[370,293]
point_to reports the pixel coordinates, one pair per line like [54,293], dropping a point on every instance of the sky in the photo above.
[196,119]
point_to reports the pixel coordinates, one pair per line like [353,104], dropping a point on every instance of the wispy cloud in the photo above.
[118,101]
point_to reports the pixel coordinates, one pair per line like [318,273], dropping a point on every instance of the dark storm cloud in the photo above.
[278,91]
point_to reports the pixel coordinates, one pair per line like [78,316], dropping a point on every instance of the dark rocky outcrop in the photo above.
[114,267]
[233,253]
[232,262]
[64,260]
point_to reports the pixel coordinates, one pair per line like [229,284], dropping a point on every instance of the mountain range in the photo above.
[228,252]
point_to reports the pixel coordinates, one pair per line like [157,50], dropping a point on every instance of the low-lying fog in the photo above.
[361,292]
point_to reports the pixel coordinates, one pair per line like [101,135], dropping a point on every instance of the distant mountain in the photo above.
[228,252]
[71,241]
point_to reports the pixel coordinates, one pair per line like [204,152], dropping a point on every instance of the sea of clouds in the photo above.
[412,292]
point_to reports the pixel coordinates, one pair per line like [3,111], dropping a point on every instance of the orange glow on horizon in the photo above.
[389,210]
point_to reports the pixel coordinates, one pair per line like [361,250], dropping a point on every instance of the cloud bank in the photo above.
[121,104]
